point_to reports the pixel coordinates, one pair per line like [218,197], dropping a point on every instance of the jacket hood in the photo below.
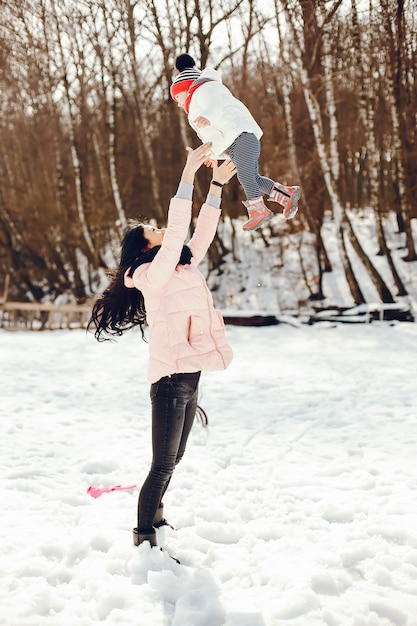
[209,74]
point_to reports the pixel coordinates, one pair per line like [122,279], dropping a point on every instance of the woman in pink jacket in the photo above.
[158,282]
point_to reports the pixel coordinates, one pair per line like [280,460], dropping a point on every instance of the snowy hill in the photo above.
[267,274]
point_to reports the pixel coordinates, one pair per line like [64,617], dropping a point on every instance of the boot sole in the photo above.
[294,204]
[261,223]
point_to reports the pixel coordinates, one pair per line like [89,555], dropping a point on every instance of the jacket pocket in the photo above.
[199,335]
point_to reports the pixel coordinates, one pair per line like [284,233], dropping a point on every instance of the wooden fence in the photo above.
[36,316]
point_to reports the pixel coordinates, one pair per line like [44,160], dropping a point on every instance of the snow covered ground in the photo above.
[296,506]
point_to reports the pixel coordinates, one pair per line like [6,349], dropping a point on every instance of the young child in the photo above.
[224,121]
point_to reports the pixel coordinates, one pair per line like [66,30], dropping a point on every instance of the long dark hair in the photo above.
[118,308]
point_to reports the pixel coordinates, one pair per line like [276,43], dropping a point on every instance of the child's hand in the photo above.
[224,172]
[201,122]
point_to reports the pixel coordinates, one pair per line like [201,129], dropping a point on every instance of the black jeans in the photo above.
[174,404]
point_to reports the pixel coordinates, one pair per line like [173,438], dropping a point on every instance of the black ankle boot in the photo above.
[139,537]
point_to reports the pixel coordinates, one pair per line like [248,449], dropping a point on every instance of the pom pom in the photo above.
[183,62]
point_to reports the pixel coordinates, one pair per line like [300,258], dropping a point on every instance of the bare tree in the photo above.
[316,21]
[394,25]
[89,136]
[365,66]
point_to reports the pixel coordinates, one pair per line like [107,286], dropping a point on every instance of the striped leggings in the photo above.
[245,152]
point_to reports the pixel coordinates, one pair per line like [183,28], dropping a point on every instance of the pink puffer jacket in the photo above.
[187,333]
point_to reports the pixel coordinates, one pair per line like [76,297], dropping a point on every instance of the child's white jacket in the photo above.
[187,333]
[228,116]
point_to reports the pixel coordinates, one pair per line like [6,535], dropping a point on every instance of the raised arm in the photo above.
[210,211]
[158,273]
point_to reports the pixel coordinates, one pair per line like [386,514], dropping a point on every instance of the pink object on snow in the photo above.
[96,492]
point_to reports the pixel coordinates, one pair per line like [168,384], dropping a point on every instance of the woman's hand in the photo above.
[195,160]
[223,173]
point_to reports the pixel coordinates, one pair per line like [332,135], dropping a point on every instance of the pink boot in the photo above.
[258,213]
[287,197]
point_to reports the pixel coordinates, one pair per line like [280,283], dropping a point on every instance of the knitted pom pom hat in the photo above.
[188,73]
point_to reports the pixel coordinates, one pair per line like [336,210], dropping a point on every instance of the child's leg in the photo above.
[244,152]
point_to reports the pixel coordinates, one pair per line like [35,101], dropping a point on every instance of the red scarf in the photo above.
[190,95]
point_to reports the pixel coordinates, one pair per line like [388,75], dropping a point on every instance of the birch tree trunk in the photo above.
[329,169]
[108,46]
[338,210]
[368,104]
[394,93]
[111,121]
[286,86]
[71,133]
[141,105]
[327,64]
